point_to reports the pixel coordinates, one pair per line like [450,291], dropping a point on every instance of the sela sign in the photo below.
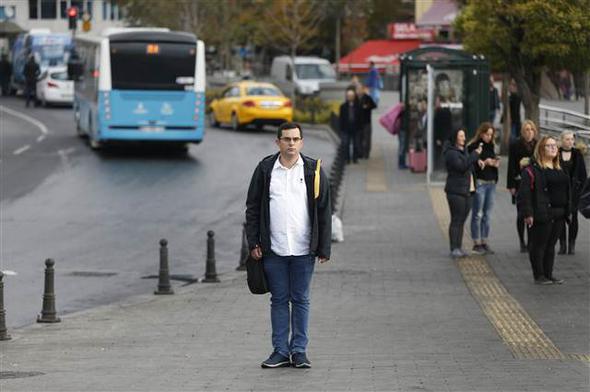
[409,31]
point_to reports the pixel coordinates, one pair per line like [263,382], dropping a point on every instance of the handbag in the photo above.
[256,277]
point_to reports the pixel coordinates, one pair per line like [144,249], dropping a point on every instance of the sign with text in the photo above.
[409,31]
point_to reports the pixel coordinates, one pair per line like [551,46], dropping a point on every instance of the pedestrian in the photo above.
[572,163]
[366,108]
[519,154]
[5,73]
[31,71]
[514,101]
[459,186]
[584,202]
[374,82]
[350,123]
[544,198]
[486,178]
[494,100]
[288,226]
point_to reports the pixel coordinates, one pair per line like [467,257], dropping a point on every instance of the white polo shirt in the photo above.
[290,228]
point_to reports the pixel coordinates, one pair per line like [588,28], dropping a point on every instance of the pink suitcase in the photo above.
[417,160]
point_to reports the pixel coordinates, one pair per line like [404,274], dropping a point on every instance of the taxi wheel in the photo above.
[235,123]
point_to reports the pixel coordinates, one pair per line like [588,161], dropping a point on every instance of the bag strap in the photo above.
[316,180]
[529,170]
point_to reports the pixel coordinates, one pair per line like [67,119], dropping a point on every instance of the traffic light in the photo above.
[72,18]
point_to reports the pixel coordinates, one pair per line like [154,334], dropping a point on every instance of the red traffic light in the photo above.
[72,12]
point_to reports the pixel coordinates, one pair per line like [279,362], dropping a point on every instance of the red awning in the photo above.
[384,53]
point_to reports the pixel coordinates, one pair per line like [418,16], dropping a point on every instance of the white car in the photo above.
[53,86]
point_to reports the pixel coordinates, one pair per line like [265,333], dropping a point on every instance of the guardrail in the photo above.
[555,120]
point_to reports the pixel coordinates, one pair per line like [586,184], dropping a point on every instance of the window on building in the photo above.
[89,7]
[33,9]
[105,9]
[63,9]
[114,10]
[48,9]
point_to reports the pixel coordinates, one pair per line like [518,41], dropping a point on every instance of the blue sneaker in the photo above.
[276,360]
[300,361]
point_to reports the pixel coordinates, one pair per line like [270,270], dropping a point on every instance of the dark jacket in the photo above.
[31,72]
[488,173]
[258,208]
[459,169]
[533,195]
[366,107]
[345,125]
[578,174]
[584,202]
[518,150]
[514,102]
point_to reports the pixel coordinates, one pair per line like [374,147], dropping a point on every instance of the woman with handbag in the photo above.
[544,200]
[459,187]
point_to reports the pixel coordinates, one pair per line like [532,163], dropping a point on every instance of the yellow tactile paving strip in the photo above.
[517,329]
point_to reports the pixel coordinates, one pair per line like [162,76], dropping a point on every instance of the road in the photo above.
[101,215]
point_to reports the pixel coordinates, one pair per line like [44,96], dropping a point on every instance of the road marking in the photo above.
[40,138]
[9,273]
[376,180]
[522,335]
[25,117]
[63,154]
[19,151]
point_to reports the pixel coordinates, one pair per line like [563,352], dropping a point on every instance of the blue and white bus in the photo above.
[49,49]
[139,84]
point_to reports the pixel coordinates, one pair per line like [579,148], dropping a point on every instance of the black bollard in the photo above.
[3,331]
[210,272]
[244,251]
[164,276]
[48,314]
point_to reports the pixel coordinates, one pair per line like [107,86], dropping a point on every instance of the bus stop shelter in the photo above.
[456,97]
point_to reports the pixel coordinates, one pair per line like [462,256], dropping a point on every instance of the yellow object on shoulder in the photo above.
[316,180]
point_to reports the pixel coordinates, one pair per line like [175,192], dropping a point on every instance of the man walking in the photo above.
[288,225]
[31,72]
[5,73]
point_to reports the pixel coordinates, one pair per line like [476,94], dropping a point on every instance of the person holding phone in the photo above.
[486,178]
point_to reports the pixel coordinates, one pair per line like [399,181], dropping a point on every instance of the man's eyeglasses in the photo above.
[295,140]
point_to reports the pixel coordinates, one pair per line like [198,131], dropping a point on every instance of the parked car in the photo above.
[250,102]
[53,86]
[305,77]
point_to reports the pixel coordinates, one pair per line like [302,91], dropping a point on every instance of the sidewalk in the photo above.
[391,312]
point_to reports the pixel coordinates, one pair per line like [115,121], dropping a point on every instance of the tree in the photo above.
[525,37]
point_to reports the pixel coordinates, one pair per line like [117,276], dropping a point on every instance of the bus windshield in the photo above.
[51,50]
[152,66]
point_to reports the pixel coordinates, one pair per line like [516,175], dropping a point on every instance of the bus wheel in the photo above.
[235,124]
[94,144]
[213,120]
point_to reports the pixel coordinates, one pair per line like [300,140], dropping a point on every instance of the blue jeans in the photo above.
[483,202]
[401,157]
[375,94]
[289,280]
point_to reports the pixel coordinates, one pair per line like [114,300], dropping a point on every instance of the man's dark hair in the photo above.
[289,125]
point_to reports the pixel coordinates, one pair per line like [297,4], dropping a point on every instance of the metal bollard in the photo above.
[3,331]
[48,314]
[210,271]
[244,251]
[164,286]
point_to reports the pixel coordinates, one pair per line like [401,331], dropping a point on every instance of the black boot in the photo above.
[562,248]
[571,248]
[523,247]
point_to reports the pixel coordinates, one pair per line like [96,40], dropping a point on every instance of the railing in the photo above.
[554,120]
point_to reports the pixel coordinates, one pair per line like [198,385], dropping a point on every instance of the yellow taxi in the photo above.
[249,102]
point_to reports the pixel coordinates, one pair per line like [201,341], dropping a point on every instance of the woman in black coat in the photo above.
[572,163]
[521,150]
[544,201]
[350,124]
[459,187]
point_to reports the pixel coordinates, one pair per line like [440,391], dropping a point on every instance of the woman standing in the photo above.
[519,155]
[459,187]
[486,178]
[572,163]
[544,200]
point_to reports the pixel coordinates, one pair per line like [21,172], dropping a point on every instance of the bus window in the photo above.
[152,66]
